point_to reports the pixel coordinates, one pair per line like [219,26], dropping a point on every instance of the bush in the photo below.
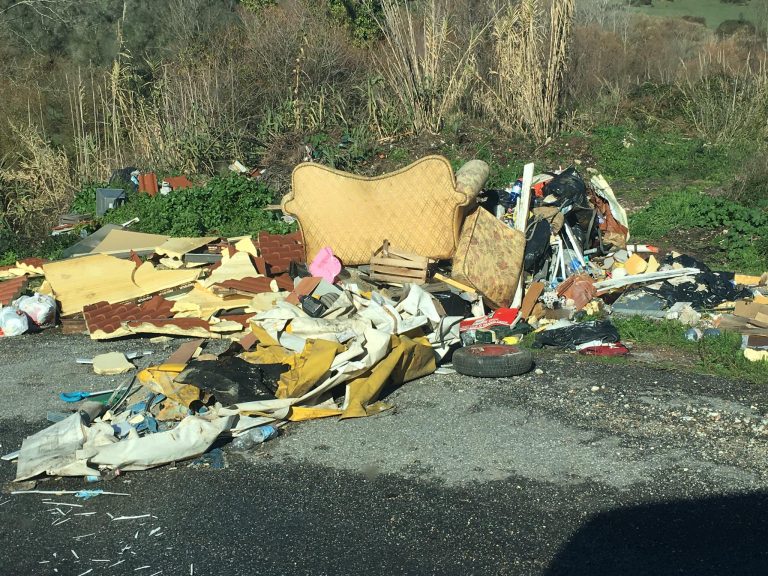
[225,206]
[743,238]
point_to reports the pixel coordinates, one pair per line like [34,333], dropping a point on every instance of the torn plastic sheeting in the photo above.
[161,380]
[308,368]
[571,336]
[53,451]
[192,437]
[607,285]
[409,359]
[361,355]
[386,317]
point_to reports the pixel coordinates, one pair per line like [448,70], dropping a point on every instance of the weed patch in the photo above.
[225,206]
[720,355]
[743,230]
[624,153]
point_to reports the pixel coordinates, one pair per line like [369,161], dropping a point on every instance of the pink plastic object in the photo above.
[325,265]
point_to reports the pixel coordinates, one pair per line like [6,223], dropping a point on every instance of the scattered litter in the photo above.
[458,290]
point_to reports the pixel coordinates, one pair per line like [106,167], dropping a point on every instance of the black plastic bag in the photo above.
[537,248]
[718,287]
[569,188]
[571,336]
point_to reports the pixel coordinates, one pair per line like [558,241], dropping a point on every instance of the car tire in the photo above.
[492,360]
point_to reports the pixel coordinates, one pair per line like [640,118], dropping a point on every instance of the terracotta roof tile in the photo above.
[241,319]
[148,183]
[181,323]
[279,249]
[284,282]
[11,289]
[108,318]
[248,285]
[179,182]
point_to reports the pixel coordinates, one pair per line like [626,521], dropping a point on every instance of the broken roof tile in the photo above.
[11,289]
[105,319]
[248,285]
[179,182]
[148,183]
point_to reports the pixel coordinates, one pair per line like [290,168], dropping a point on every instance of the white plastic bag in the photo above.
[12,321]
[40,308]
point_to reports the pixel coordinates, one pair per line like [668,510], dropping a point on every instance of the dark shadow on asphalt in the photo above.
[719,535]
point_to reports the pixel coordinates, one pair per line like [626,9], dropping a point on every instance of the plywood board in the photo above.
[118,241]
[235,267]
[201,302]
[177,247]
[102,278]
[531,296]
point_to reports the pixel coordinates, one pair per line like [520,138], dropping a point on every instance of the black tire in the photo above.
[492,360]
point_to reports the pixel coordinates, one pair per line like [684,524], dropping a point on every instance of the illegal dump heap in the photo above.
[387,279]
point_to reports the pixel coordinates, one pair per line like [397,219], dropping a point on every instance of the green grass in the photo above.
[630,154]
[721,356]
[225,206]
[742,241]
[714,11]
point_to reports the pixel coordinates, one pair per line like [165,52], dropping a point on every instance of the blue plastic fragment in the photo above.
[88,494]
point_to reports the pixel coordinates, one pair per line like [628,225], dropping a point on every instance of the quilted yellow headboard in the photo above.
[419,209]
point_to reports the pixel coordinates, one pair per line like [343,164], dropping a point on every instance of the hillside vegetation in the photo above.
[662,105]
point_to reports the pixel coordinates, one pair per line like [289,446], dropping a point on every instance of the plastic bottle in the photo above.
[254,436]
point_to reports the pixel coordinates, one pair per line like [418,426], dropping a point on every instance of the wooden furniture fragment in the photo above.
[392,266]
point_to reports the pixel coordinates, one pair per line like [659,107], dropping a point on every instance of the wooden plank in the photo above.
[423,260]
[455,283]
[396,271]
[531,296]
[398,263]
[521,220]
[397,279]
[177,247]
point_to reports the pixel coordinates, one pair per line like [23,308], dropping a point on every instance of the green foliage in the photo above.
[226,206]
[627,154]
[358,16]
[743,237]
[85,200]
[721,355]
[644,331]
[343,153]
[50,248]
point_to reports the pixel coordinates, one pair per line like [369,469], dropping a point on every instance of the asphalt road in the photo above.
[587,468]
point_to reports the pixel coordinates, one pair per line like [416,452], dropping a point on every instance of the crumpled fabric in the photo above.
[307,369]
[408,360]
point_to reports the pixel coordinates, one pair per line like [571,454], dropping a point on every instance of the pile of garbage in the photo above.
[312,336]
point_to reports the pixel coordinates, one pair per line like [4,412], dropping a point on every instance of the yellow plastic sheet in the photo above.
[408,360]
[307,369]
[160,379]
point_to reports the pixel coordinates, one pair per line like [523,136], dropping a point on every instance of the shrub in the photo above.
[225,206]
